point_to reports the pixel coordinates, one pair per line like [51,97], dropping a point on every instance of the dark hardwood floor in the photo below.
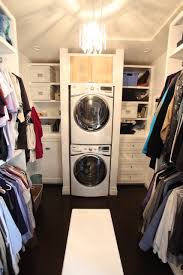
[53,219]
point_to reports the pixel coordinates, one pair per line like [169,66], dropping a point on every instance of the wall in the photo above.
[159,74]
[24,72]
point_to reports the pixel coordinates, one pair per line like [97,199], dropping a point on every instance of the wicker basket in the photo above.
[37,190]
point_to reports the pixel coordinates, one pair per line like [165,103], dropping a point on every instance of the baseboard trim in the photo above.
[66,190]
[113,191]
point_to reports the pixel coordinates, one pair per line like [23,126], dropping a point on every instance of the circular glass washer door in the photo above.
[90,170]
[91,113]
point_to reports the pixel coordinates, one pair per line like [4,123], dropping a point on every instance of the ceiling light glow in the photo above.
[93,37]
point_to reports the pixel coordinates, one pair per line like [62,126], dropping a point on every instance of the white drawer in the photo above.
[42,74]
[132,168]
[136,178]
[124,178]
[131,157]
[41,92]
[129,146]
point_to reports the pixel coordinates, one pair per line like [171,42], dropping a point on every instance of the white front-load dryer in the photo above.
[91,113]
[90,170]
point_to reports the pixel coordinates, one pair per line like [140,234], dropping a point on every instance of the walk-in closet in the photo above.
[91,137]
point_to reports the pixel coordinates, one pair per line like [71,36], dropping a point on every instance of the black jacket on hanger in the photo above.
[3,146]
[22,135]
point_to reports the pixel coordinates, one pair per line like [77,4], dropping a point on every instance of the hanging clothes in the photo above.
[17,223]
[161,220]
[158,121]
[22,137]
[154,144]
[178,96]
[38,133]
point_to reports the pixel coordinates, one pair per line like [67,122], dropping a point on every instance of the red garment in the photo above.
[38,133]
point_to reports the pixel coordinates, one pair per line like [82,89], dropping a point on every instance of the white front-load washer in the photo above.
[90,170]
[91,113]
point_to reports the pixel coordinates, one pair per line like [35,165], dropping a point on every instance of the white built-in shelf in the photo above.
[55,83]
[5,47]
[49,117]
[137,87]
[52,135]
[45,64]
[138,134]
[46,101]
[138,66]
[46,83]
[177,53]
[136,102]
[138,118]
[141,118]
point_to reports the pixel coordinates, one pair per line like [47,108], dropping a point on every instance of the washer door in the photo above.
[90,170]
[91,113]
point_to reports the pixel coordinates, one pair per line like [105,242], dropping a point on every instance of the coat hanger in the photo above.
[2,191]
[9,187]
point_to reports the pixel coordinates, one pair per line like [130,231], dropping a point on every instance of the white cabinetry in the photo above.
[136,115]
[52,162]
[132,164]
[45,91]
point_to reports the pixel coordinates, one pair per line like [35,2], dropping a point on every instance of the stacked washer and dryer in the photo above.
[91,127]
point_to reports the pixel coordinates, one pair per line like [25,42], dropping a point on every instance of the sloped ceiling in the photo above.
[132,24]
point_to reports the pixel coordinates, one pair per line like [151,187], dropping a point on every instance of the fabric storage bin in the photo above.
[5,27]
[130,78]
[37,190]
[129,110]
[42,74]
[127,128]
[41,92]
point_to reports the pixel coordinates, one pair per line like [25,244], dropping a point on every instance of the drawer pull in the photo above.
[47,148]
[40,93]
[40,75]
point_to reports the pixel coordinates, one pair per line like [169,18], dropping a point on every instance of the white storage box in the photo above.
[47,128]
[42,74]
[41,92]
[129,110]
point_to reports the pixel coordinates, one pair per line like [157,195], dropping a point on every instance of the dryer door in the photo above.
[90,170]
[91,113]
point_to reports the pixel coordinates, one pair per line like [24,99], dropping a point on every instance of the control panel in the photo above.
[93,149]
[92,88]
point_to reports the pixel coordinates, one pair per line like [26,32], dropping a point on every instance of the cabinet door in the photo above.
[80,69]
[102,69]
[51,163]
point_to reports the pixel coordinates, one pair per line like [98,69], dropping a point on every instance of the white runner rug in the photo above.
[91,245]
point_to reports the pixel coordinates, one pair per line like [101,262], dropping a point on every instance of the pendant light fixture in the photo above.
[93,35]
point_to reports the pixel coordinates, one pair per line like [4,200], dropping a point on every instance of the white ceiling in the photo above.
[132,24]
